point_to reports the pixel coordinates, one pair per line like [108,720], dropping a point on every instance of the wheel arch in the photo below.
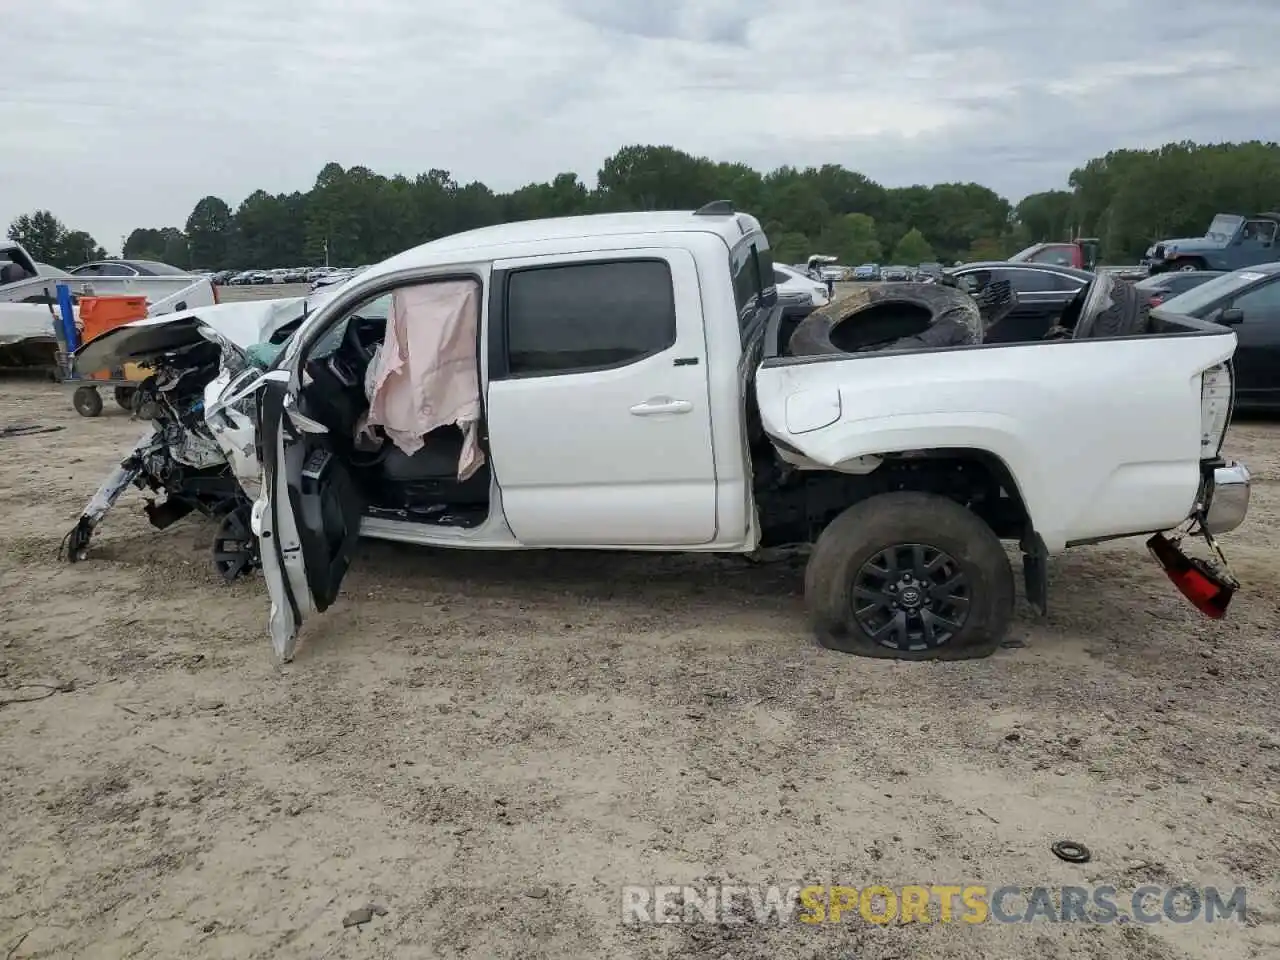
[985,440]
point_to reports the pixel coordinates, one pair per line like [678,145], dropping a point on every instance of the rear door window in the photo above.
[590,316]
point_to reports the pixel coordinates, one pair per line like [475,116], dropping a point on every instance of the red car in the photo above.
[1081,254]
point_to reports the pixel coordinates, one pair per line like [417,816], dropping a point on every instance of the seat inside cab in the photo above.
[396,383]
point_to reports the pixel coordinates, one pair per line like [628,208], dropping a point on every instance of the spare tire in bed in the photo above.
[891,316]
[1112,307]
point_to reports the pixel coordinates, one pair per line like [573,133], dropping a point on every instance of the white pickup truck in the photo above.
[626,382]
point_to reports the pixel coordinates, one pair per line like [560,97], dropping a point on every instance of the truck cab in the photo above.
[1232,242]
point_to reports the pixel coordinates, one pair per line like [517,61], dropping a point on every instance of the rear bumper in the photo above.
[1226,497]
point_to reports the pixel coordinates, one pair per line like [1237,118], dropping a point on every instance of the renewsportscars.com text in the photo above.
[934,903]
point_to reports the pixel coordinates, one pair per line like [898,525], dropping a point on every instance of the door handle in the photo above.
[659,405]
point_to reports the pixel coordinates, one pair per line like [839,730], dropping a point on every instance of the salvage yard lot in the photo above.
[491,746]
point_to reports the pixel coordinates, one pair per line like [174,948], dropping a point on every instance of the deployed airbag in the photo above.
[425,373]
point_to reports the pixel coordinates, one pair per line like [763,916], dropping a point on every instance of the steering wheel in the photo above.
[352,339]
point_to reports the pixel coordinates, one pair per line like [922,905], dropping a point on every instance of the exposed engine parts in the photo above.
[178,460]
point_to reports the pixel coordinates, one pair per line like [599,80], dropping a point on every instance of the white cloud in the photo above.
[124,114]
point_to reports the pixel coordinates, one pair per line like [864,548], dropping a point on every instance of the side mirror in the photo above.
[1231,316]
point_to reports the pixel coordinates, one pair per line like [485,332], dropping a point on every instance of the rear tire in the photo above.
[952,598]
[125,397]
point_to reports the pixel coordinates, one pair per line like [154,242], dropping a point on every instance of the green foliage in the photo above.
[790,247]
[1128,198]
[851,239]
[167,245]
[985,248]
[48,240]
[1046,216]
[913,249]
[210,232]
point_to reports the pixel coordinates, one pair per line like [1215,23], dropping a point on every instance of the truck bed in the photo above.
[1137,400]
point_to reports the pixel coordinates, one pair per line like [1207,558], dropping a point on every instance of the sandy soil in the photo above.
[491,746]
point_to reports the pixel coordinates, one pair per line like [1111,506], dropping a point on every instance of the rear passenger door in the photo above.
[597,405]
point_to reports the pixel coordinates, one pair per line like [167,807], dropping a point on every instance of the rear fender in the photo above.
[859,445]
[1100,437]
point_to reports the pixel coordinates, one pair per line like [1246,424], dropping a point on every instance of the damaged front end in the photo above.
[180,461]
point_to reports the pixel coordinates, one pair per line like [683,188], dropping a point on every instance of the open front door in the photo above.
[308,517]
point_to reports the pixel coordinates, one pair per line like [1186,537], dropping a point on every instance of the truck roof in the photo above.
[496,242]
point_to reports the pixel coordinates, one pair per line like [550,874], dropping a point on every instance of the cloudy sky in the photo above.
[123,113]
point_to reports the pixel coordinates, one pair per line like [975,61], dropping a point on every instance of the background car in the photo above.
[1249,301]
[866,272]
[1166,286]
[896,273]
[1043,290]
[790,280]
[128,268]
[329,279]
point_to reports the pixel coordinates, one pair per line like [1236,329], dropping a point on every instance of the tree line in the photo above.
[353,216]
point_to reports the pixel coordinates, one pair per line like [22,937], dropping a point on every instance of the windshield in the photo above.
[1224,227]
[1023,255]
[1197,298]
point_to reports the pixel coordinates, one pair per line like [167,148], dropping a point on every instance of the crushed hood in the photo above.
[240,324]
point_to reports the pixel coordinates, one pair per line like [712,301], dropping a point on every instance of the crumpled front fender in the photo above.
[231,415]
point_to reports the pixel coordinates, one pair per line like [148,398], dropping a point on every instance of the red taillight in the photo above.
[1156,301]
[1208,592]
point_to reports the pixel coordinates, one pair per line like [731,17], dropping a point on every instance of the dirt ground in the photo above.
[491,746]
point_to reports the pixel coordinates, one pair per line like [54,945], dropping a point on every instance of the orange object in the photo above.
[100,314]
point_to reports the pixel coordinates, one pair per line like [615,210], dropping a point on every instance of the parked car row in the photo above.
[239,278]
[872,272]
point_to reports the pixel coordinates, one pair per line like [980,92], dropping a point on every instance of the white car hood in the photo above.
[241,324]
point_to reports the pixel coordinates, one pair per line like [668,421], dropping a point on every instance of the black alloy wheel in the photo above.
[235,548]
[910,597]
